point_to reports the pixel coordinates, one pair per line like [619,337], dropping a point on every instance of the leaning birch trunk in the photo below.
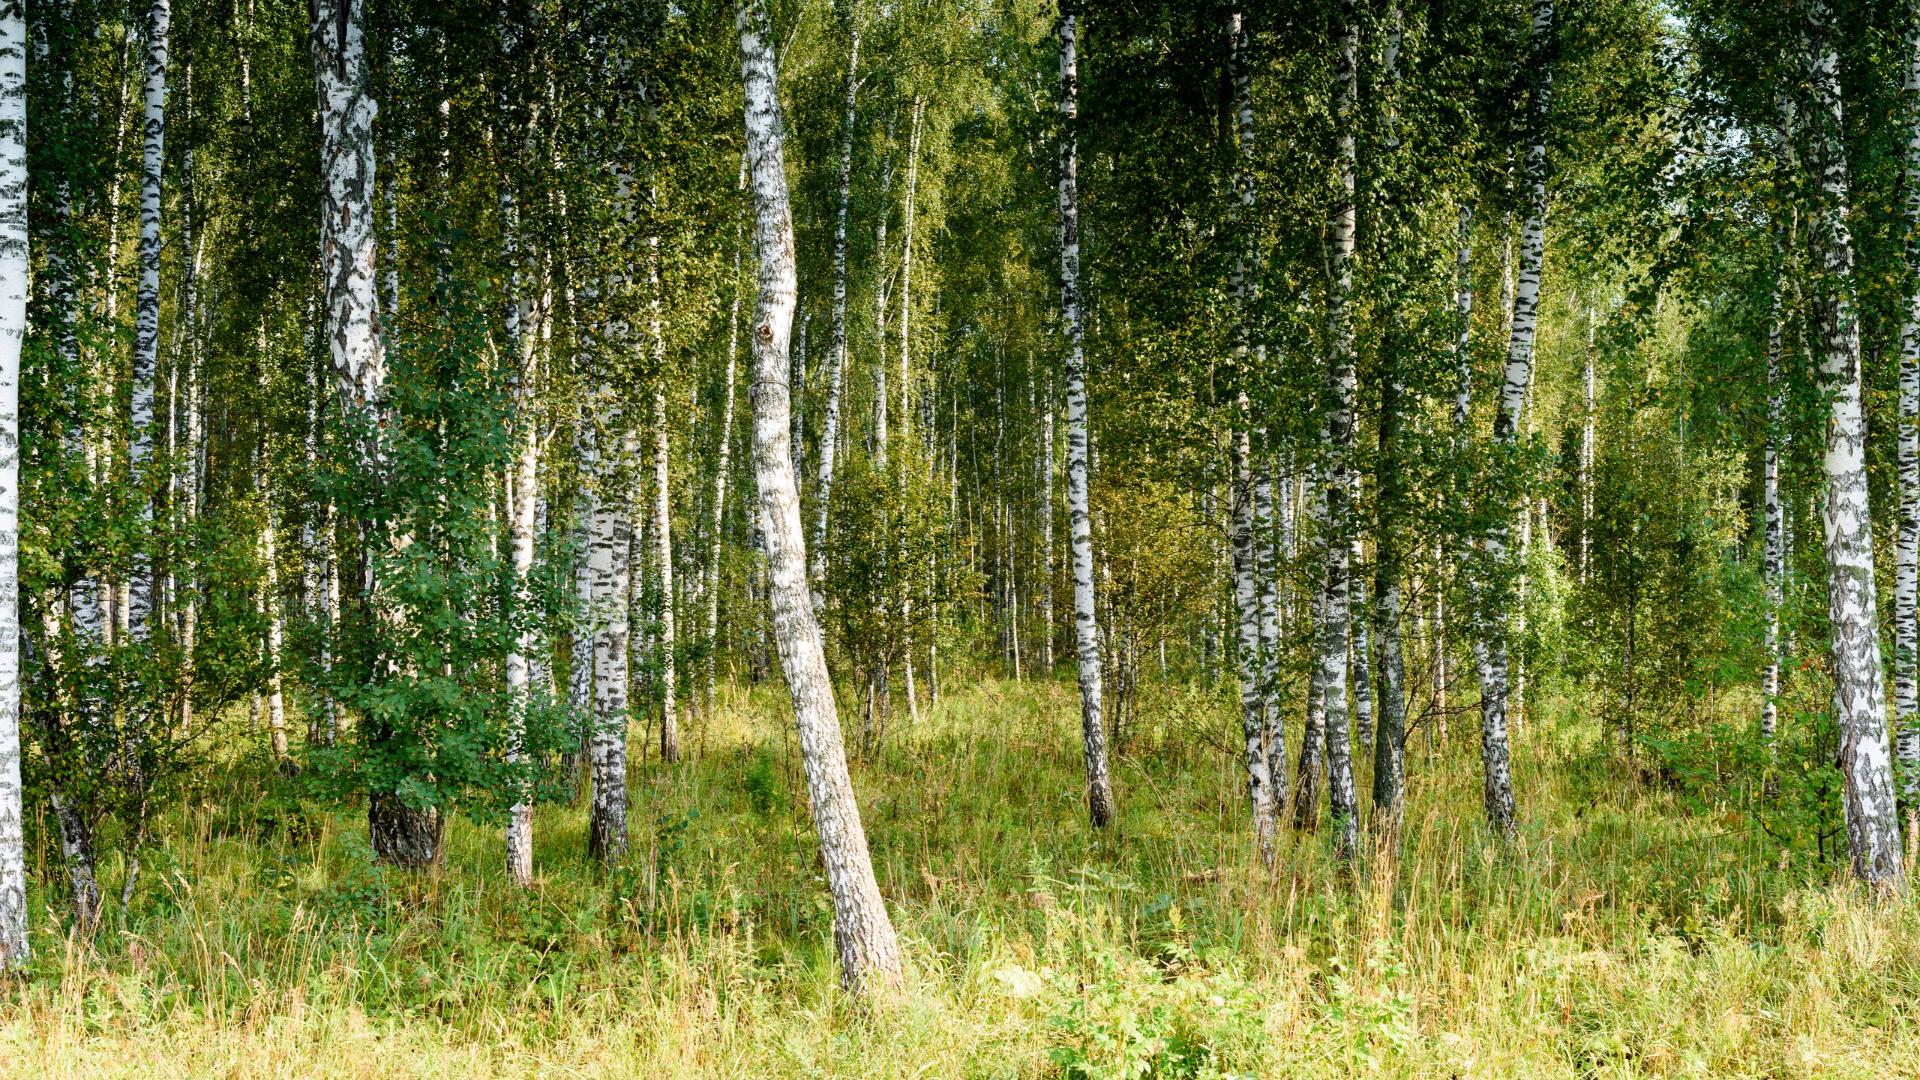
[1906,560]
[837,360]
[869,951]
[1343,802]
[1495,593]
[1080,533]
[401,834]
[1859,695]
[13,331]
[1246,551]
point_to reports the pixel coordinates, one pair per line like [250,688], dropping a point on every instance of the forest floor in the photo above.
[1620,936]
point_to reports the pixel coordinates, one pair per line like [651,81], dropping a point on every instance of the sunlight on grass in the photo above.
[1619,937]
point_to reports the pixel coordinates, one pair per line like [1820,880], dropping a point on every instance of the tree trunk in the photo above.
[276,634]
[1906,573]
[1389,741]
[723,465]
[403,835]
[1495,592]
[1873,834]
[837,361]
[869,951]
[1080,534]
[1774,565]
[523,499]
[1046,527]
[1246,550]
[906,277]
[607,747]
[13,330]
[146,332]
[1342,799]
[663,555]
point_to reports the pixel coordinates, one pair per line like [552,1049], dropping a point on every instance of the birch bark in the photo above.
[1338,629]
[837,358]
[1906,561]
[869,951]
[1080,534]
[1873,834]
[1246,551]
[13,331]
[146,326]
[1497,782]
[404,835]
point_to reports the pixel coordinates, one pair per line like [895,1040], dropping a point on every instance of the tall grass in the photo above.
[1618,936]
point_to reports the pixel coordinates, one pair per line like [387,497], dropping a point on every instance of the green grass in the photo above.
[1618,937]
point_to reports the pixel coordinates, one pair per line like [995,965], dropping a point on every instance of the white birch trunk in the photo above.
[146,330]
[1247,575]
[1494,619]
[355,344]
[906,281]
[1343,802]
[13,331]
[607,746]
[663,557]
[1906,561]
[723,465]
[1046,527]
[869,951]
[1774,559]
[837,358]
[1859,694]
[523,501]
[276,636]
[1080,533]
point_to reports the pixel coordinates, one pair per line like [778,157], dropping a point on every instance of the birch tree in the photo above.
[837,353]
[146,327]
[1079,532]
[1906,562]
[863,932]
[1497,781]
[1246,560]
[404,835]
[1859,695]
[13,330]
[1339,485]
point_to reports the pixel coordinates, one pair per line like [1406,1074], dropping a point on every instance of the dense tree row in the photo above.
[492,386]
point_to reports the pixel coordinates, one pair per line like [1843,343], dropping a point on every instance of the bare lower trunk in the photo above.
[869,951]
[607,746]
[663,555]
